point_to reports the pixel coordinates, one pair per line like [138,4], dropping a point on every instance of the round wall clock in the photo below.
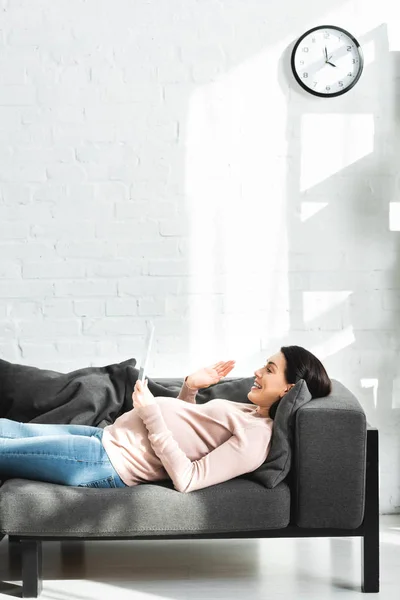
[327,61]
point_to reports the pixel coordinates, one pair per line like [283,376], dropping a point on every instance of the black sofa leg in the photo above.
[370,539]
[31,551]
[14,557]
[14,552]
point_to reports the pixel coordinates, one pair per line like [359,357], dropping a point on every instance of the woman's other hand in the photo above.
[207,376]
[142,396]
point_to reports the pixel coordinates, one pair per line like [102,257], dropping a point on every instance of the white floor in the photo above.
[293,569]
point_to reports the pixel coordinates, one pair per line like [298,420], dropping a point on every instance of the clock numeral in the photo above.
[305,75]
[354,61]
[313,40]
[340,83]
[302,62]
[348,48]
[328,87]
[326,35]
[315,83]
[350,74]
[305,49]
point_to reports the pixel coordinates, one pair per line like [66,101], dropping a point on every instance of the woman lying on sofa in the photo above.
[194,445]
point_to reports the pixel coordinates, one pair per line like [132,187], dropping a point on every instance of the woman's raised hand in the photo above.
[207,376]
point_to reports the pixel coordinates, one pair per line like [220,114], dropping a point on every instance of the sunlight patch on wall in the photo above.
[394,216]
[368,50]
[316,304]
[396,393]
[235,189]
[371,383]
[332,142]
[309,209]
[334,344]
[393,29]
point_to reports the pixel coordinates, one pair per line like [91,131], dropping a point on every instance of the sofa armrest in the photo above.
[330,455]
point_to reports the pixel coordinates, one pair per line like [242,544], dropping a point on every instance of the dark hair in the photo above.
[302,364]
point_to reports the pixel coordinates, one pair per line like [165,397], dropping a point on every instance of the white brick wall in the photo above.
[157,159]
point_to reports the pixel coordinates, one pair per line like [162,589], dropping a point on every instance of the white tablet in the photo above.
[147,350]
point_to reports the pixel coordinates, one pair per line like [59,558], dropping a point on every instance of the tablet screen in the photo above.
[147,350]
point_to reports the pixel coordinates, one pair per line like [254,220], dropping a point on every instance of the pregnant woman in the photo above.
[194,445]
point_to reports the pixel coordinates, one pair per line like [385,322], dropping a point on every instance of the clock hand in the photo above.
[328,59]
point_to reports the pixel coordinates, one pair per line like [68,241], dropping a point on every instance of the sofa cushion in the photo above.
[45,509]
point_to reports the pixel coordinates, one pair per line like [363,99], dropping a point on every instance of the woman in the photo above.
[194,445]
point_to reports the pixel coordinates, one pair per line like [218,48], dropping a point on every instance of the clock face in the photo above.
[327,61]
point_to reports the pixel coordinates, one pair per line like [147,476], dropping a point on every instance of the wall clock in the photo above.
[327,61]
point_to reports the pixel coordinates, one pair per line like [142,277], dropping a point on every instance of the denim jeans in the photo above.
[64,454]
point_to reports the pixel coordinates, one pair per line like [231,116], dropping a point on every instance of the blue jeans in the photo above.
[64,454]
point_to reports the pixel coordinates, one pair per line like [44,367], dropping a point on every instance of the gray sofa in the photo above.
[331,491]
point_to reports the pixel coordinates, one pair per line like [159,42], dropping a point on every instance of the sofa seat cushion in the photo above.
[42,509]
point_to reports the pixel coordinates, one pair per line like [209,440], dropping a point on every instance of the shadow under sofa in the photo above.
[332,490]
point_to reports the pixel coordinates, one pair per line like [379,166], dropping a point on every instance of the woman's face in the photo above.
[273,384]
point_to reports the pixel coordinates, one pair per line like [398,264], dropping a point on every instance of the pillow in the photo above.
[278,462]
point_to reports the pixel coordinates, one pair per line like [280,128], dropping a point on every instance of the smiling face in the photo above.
[271,378]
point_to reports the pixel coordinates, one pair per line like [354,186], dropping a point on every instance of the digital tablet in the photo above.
[147,350]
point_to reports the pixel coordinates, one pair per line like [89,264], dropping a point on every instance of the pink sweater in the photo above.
[195,445]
